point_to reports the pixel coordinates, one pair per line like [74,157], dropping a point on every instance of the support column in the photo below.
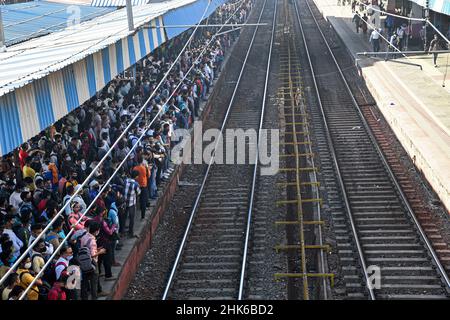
[130,16]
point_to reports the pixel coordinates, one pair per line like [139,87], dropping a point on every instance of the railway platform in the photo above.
[413,100]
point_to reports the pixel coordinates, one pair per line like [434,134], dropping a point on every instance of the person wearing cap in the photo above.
[132,191]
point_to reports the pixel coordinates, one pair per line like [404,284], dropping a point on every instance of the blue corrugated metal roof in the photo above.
[23,21]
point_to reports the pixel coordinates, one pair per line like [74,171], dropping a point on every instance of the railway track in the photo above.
[375,226]
[212,259]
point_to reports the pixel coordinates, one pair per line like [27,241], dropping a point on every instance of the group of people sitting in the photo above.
[46,175]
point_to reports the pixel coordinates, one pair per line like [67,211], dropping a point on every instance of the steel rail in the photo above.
[333,153]
[316,190]
[255,171]
[202,186]
[386,164]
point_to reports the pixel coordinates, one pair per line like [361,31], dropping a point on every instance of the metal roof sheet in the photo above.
[23,21]
[36,58]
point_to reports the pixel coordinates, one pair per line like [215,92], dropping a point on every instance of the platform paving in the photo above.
[413,101]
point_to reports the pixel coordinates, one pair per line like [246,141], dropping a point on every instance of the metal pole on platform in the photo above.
[2,34]
[130,16]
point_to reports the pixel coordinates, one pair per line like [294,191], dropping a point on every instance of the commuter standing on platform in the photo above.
[434,46]
[353,5]
[375,40]
[357,20]
[364,23]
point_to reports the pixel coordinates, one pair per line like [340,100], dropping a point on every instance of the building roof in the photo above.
[442,6]
[23,21]
[116,3]
[36,58]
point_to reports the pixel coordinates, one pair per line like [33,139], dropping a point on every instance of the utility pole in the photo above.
[427,18]
[130,16]
[2,34]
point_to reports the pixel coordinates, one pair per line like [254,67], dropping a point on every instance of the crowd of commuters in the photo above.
[40,178]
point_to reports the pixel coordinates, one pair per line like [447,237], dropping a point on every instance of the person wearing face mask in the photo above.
[66,254]
[36,230]
[26,277]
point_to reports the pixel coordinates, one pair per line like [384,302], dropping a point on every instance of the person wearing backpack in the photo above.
[88,258]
